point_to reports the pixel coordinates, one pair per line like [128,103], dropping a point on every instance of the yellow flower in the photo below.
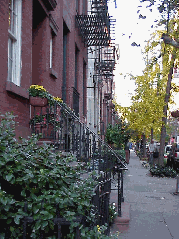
[37,87]
[32,86]
[98,228]
[58,99]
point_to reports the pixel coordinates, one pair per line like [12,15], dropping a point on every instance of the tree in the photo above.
[150,103]
[146,109]
[118,135]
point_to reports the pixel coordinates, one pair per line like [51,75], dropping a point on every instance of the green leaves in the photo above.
[9,177]
[17,219]
[44,180]
[161,171]
[118,134]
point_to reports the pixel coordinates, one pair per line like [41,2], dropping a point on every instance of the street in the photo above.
[154,211]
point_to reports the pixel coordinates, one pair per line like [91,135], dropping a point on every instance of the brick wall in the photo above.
[35,53]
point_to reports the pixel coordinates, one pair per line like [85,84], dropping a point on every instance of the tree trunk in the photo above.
[152,134]
[144,146]
[165,108]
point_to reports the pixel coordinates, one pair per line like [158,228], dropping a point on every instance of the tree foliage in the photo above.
[151,95]
[118,135]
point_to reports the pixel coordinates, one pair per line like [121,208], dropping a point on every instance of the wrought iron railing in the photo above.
[59,126]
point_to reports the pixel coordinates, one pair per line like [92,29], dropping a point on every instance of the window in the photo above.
[84,7]
[77,6]
[52,43]
[76,67]
[65,60]
[53,34]
[14,41]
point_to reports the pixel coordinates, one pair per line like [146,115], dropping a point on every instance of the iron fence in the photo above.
[59,126]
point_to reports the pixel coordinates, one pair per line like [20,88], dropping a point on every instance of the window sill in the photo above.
[18,90]
[53,73]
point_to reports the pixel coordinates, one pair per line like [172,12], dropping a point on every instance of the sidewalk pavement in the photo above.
[150,208]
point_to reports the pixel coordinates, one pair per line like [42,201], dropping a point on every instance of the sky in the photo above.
[128,29]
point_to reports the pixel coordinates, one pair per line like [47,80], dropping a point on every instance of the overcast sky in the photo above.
[129,29]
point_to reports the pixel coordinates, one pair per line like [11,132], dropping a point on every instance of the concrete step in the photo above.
[121,224]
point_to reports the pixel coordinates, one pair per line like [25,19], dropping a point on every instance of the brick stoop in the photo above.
[121,224]
[125,217]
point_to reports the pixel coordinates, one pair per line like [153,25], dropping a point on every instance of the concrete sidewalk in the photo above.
[150,208]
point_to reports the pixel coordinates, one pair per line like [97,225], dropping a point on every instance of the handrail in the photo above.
[76,135]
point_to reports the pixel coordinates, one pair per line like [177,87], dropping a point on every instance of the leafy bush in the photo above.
[112,213]
[161,171]
[35,177]
[121,153]
[118,135]
[34,174]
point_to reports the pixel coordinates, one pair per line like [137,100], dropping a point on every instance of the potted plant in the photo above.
[38,95]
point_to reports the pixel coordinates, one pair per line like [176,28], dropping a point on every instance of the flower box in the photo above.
[37,101]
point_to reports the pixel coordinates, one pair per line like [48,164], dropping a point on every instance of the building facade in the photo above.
[65,46]
[40,44]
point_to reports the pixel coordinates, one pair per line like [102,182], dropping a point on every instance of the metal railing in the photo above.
[59,126]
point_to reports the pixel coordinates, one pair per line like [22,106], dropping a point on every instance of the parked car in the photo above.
[166,153]
[176,158]
[173,157]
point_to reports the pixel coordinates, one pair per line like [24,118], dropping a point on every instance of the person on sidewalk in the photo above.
[151,151]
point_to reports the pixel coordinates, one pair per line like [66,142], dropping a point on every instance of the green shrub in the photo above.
[112,213]
[117,135]
[35,175]
[121,153]
[161,171]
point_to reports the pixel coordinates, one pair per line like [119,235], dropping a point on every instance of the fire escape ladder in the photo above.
[95,28]
[105,66]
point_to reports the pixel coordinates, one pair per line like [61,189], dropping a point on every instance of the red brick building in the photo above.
[40,44]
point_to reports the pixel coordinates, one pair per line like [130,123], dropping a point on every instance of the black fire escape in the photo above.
[104,65]
[95,28]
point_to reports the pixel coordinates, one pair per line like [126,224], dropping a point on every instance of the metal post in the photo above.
[177,185]
[80,140]
[55,116]
[119,192]
[122,198]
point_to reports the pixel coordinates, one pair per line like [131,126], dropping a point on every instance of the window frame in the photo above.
[52,44]
[52,47]
[51,50]
[14,41]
